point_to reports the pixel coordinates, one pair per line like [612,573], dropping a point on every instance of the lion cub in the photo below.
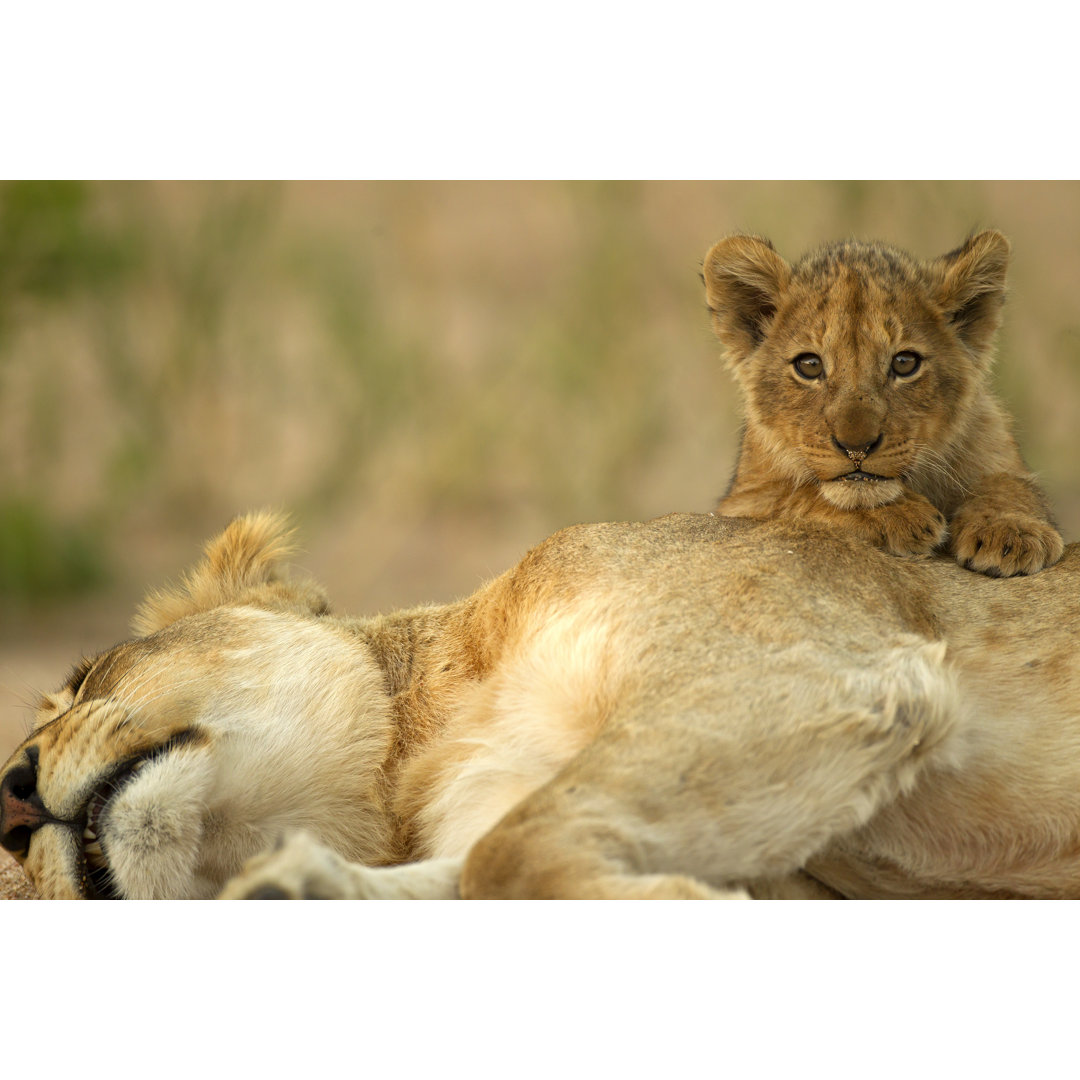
[867,400]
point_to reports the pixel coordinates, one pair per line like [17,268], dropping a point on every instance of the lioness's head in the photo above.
[165,762]
[858,363]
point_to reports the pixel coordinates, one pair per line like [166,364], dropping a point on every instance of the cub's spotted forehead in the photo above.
[853,258]
[853,296]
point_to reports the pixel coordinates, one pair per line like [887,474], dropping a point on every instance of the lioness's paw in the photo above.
[1005,546]
[298,868]
[910,526]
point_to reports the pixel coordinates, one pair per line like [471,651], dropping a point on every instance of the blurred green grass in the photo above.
[446,371]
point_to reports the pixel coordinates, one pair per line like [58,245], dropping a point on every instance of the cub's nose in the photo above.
[856,451]
[21,808]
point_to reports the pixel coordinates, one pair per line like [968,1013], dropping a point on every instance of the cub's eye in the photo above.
[906,363]
[807,365]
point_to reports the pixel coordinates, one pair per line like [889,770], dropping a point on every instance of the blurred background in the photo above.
[431,377]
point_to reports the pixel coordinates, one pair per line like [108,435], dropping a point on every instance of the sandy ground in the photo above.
[13,882]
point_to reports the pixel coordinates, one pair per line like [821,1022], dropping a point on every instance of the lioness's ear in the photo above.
[241,566]
[744,279]
[970,286]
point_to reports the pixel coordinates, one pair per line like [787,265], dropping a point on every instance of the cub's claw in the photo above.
[1005,546]
[910,526]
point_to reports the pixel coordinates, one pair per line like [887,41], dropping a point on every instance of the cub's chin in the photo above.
[860,491]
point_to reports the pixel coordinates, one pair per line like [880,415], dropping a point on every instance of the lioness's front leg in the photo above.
[1004,529]
[300,868]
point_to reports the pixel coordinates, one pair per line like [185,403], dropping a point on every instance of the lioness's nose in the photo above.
[21,808]
[853,450]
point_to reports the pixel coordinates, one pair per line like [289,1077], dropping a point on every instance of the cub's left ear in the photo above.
[242,566]
[969,283]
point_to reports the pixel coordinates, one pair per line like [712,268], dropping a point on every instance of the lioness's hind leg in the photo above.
[690,805]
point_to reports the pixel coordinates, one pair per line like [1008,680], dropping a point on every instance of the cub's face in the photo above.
[858,364]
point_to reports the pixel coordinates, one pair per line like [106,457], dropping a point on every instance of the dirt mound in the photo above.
[13,882]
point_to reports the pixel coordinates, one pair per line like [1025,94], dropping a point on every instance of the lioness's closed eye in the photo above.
[865,375]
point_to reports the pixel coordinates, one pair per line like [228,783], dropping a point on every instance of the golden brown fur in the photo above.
[865,376]
[690,707]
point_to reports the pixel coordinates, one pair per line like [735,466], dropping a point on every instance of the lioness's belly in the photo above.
[975,836]
[860,877]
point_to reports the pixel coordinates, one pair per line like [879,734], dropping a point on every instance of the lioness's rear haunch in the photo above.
[866,381]
[692,707]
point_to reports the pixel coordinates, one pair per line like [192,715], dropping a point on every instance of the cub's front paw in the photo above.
[910,526]
[1004,545]
[298,868]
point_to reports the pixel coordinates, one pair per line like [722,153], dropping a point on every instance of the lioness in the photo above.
[691,707]
[865,376]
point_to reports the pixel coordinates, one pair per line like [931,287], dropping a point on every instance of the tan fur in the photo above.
[240,566]
[690,707]
[936,442]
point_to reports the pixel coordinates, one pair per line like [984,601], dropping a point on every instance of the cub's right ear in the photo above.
[744,279]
